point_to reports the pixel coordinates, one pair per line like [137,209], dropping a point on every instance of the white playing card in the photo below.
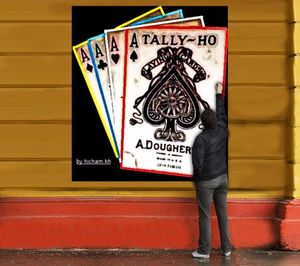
[167,86]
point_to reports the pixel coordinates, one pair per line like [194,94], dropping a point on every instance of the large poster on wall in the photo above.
[140,80]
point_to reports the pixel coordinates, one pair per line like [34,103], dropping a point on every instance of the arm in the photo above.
[198,157]
[221,115]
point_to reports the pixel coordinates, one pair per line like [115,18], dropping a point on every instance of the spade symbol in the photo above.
[133,56]
[115,58]
[102,64]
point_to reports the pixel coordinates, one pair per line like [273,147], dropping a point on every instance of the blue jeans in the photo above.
[206,191]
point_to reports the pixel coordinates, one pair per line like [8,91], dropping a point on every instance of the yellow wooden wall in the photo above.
[35,100]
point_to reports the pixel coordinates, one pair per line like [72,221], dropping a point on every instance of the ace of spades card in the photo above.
[166,87]
[115,53]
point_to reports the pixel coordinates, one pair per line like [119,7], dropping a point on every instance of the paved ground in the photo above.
[141,258]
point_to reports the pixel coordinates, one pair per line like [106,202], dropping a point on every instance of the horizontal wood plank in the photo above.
[257,140]
[35,141]
[243,174]
[54,104]
[56,37]
[258,69]
[35,70]
[56,70]
[258,103]
[35,174]
[258,37]
[54,140]
[35,104]
[257,174]
[61,10]
[40,37]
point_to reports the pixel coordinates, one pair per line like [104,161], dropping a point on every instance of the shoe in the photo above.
[226,254]
[196,254]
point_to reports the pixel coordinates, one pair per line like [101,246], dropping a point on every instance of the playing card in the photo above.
[115,54]
[89,68]
[166,87]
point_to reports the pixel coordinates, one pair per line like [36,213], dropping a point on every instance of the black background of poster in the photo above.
[89,140]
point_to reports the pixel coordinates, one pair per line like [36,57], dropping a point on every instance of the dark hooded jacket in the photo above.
[209,148]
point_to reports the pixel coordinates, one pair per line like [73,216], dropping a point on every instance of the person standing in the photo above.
[210,176]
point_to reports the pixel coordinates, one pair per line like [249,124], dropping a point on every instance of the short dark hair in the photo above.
[209,118]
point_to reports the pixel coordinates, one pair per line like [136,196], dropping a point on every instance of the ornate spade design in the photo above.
[171,98]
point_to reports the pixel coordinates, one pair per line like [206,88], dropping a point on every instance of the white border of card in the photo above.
[165,90]
[116,62]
